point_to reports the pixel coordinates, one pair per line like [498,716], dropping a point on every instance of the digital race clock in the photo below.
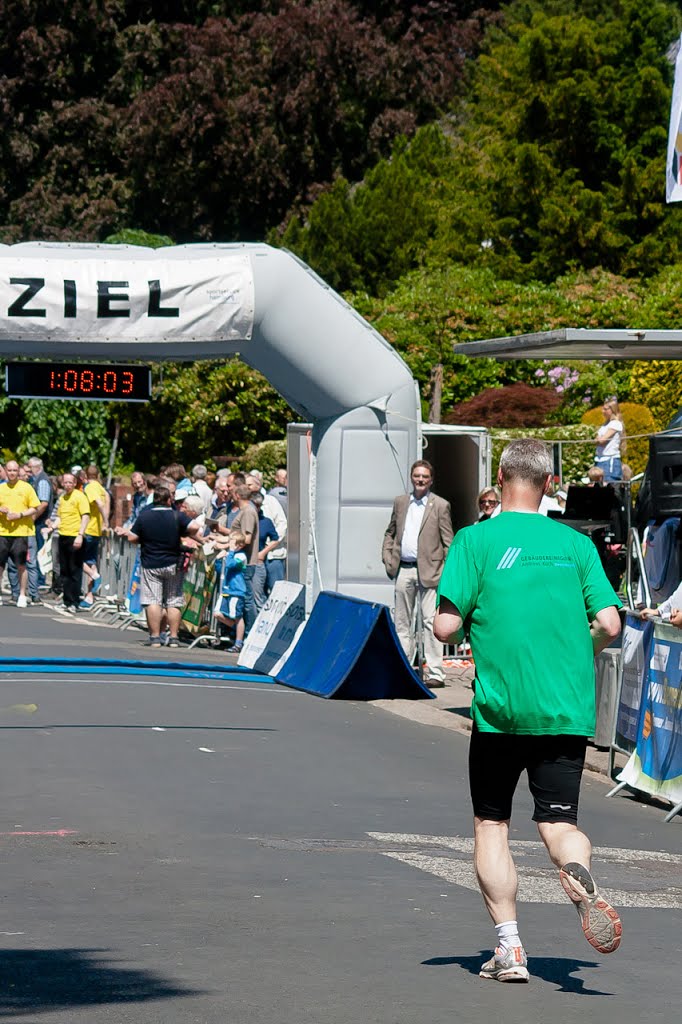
[98,382]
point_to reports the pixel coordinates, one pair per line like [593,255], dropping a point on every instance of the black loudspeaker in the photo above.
[664,473]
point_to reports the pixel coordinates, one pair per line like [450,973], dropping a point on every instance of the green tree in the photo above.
[199,411]
[434,309]
[64,433]
[369,236]
[553,160]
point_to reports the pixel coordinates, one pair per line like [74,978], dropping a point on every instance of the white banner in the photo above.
[673,176]
[276,630]
[98,299]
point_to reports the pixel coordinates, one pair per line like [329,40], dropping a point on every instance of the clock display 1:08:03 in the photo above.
[108,382]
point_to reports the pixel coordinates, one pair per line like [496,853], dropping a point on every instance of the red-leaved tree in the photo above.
[517,405]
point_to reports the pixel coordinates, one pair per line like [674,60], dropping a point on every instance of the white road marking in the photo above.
[536,884]
[465,844]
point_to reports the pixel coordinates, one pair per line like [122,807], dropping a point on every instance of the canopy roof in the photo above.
[577,343]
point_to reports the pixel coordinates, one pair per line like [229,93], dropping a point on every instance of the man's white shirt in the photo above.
[413,524]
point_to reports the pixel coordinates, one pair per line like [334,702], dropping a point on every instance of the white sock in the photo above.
[508,935]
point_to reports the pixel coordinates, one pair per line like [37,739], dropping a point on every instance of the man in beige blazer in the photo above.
[415,545]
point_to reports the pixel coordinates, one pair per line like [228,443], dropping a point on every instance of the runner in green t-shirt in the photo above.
[537,605]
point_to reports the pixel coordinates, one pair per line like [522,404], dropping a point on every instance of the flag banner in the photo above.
[197,590]
[673,177]
[634,667]
[131,299]
[133,602]
[655,767]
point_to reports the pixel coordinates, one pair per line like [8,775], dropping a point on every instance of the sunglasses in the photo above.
[487,501]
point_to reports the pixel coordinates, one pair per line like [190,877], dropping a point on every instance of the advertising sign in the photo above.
[197,590]
[634,668]
[656,765]
[276,629]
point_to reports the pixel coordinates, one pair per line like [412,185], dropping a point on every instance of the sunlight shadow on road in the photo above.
[44,980]
[557,970]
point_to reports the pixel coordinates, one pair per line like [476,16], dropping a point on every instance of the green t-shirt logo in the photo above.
[508,558]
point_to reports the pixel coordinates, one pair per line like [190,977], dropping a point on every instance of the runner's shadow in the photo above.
[557,970]
[44,980]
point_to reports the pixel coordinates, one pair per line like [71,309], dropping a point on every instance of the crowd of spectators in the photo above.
[227,512]
[56,522]
[231,514]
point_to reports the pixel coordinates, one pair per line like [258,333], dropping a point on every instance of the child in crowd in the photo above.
[233,589]
[668,610]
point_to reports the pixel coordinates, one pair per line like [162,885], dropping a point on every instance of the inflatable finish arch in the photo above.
[210,301]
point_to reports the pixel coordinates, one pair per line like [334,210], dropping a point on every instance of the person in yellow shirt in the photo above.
[99,520]
[73,516]
[18,504]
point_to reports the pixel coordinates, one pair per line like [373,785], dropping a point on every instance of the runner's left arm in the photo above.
[604,628]
[447,624]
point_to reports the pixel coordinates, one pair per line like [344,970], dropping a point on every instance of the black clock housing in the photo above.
[94,382]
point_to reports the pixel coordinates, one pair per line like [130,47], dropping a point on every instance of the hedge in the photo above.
[576,458]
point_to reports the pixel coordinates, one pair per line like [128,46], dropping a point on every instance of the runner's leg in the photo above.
[565,842]
[495,868]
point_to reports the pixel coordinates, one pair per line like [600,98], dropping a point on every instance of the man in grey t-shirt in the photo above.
[246,522]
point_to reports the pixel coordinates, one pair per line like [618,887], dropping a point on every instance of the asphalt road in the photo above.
[179,851]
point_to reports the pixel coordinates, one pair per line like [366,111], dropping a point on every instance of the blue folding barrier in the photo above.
[349,650]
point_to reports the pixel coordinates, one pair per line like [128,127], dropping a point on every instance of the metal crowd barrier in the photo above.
[114,600]
[116,562]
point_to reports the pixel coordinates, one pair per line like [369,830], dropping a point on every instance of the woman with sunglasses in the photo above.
[488,500]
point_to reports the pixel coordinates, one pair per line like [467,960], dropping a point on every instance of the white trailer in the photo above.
[461,457]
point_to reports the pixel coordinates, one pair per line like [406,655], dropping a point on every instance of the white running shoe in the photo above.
[506,965]
[22,602]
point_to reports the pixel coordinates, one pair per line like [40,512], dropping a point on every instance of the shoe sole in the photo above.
[513,974]
[600,922]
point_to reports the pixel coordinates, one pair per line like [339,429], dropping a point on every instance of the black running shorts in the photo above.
[554,765]
[17,547]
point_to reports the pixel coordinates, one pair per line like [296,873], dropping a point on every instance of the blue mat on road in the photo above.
[106,666]
[349,650]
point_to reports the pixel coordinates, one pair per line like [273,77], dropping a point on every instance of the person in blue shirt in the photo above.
[233,589]
[268,540]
